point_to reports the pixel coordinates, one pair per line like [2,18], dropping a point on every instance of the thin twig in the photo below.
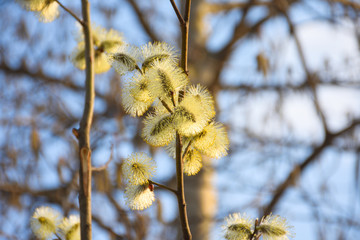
[144,21]
[178,14]
[300,168]
[173,99]
[103,167]
[311,78]
[70,12]
[59,238]
[179,160]
[165,105]
[84,130]
[164,187]
[187,149]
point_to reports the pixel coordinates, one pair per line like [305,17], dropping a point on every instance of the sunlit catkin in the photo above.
[158,51]
[138,168]
[46,10]
[158,129]
[237,227]
[275,227]
[136,97]
[213,140]
[44,222]
[70,228]
[124,59]
[166,80]
[194,112]
[104,42]
[139,197]
[192,162]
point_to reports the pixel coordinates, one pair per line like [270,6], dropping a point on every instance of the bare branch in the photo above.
[300,168]
[144,22]
[70,12]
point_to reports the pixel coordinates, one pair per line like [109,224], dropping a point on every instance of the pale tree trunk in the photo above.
[200,191]
[202,201]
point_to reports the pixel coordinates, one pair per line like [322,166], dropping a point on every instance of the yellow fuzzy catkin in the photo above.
[105,42]
[46,10]
[32,5]
[166,79]
[158,129]
[70,228]
[101,64]
[136,97]
[212,141]
[195,111]
[275,227]
[139,197]
[138,168]
[44,222]
[124,59]
[49,12]
[158,51]
[237,227]
[192,162]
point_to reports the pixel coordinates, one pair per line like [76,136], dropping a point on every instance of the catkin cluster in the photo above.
[46,10]
[159,89]
[46,223]
[271,227]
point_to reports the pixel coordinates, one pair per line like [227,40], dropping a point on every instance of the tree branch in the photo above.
[179,160]
[40,76]
[70,12]
[144,22]
[178,14]
[164,187]
[84,131]
[300,168]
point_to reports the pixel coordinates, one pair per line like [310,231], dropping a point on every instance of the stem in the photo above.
[70,12]
[164,187]
[180,190]
[59,238]
[187,149]
[179,160]
[185,37]
[165,105]
[84,131]
[178,14]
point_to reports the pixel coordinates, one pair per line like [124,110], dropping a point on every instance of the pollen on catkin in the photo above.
[70,228]
[213,140]
[194,112]
[192,162]
[46,10]
[138,168]
[105,42]
[136,97]
[124,58]
[158,129]
[49,12]
[32,5]
[275,227]
[139,197]
[166,79]
[158,51]
[77,57]
[44,222]
[237,227]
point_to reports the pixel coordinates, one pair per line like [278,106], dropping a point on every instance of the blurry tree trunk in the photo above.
[202,201]
[199,189]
